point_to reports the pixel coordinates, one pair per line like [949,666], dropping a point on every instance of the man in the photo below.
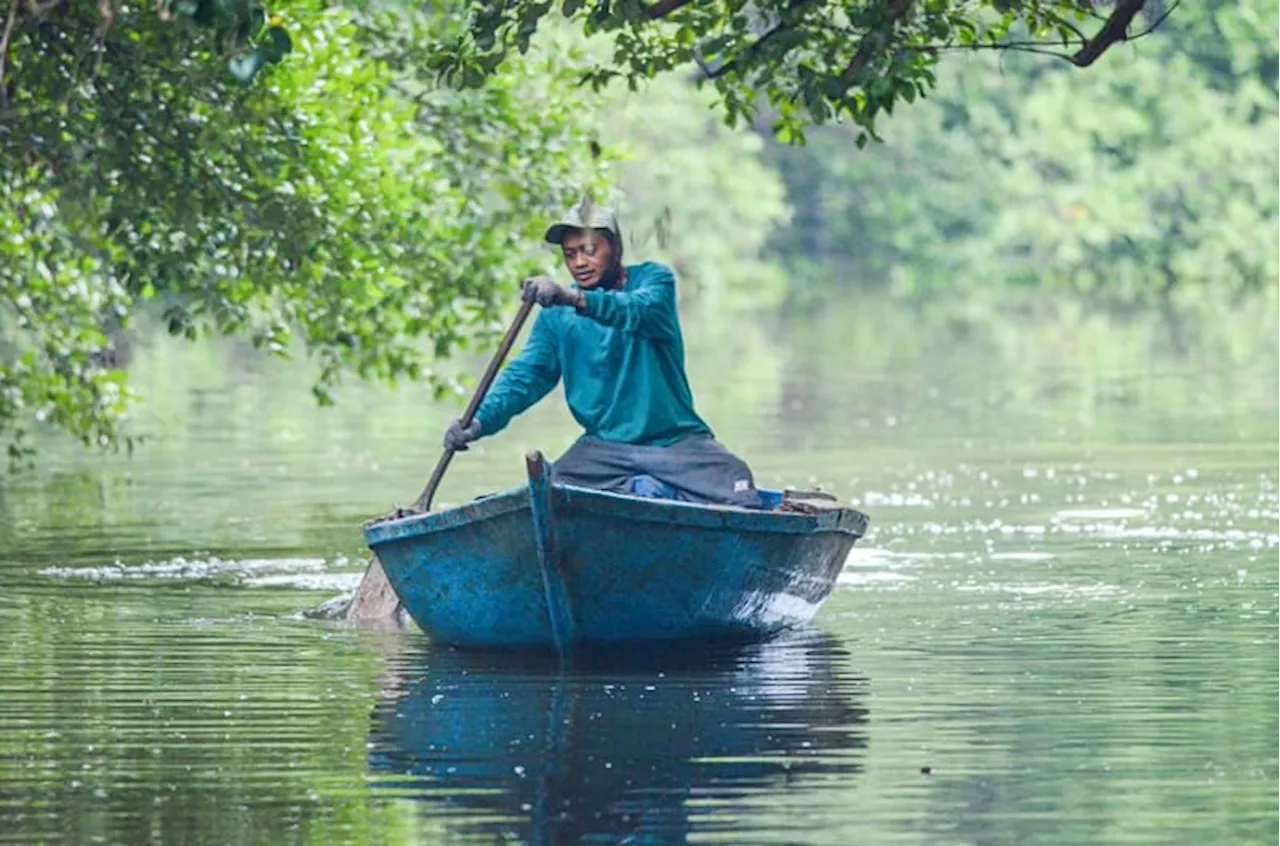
[614,338]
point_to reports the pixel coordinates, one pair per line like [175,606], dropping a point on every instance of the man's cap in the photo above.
[584,215]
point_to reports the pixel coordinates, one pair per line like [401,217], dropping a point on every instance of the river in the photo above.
[1060,629]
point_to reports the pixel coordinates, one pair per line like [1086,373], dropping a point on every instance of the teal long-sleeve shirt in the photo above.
[622,361]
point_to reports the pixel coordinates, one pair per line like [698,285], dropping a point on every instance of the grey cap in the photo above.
[584,215]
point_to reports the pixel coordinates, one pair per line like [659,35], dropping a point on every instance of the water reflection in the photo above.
[635,748]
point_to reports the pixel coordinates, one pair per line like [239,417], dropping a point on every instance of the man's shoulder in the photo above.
[651,271]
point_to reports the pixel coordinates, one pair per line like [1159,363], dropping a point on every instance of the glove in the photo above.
[457,436]
[545,292]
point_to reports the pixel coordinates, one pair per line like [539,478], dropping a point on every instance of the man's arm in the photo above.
[649,310]
[528,378]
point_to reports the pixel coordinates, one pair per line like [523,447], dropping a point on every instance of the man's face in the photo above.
[588,256]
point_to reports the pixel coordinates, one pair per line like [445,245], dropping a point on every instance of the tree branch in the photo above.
[662,8]
[1041,47]
[107,9]
[1045,49]
[1113,31]
[4,50]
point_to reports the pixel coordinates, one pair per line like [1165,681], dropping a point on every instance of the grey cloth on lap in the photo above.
[699,468]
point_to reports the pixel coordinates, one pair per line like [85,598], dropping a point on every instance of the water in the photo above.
[1061,628]
[623,748]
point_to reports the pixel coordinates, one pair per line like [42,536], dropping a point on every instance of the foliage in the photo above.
[811,61]
[1146,196]
[1155,175]
[348,203]
[901,214]
[343,201]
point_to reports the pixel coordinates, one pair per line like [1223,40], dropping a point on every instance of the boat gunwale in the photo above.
[621,506]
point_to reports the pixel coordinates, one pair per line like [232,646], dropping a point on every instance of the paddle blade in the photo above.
[375,602]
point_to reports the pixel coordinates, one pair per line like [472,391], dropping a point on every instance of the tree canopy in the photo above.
[344,199]
[808,61]
[368,182]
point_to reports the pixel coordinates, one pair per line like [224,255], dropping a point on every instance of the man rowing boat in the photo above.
[614,338]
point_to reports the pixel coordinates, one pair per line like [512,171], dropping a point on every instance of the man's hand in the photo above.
[544,291]
[457,436]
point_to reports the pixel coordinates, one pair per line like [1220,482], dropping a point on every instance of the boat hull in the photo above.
[571,567]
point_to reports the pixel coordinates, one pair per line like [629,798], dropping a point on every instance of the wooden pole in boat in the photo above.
[374,599]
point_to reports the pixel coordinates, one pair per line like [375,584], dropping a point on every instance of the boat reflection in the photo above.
[637,747]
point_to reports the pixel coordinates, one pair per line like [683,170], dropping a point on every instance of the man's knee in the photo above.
[588,464]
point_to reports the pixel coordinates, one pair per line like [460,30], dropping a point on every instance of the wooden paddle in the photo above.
[374,599]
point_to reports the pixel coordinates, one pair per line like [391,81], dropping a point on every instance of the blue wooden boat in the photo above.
[560,567]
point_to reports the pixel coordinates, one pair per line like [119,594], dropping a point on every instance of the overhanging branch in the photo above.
[1115,30]
[1090,49]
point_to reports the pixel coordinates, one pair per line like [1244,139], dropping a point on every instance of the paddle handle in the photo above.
[423,503]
